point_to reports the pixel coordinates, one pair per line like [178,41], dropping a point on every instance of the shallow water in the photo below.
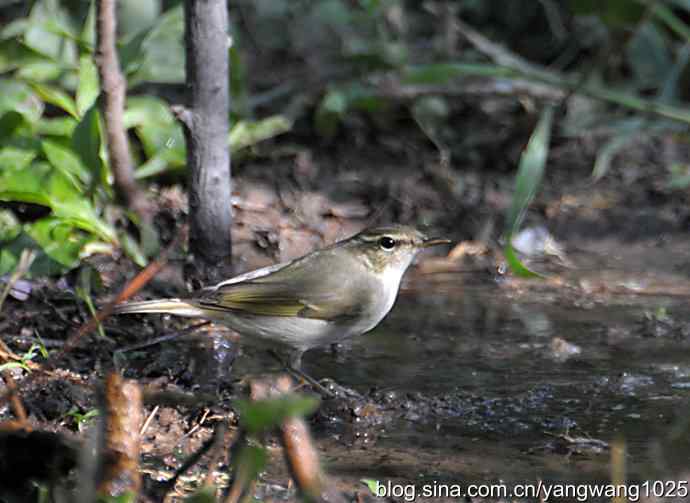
[488,396]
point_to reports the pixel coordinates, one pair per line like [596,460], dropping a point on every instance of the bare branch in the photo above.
[114,87]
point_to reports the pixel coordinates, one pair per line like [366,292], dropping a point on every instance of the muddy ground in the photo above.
[475,376]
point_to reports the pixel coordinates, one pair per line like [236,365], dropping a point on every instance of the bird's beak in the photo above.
[429,242]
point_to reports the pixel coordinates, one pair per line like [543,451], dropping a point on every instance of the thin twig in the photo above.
[148,420]
[113,85]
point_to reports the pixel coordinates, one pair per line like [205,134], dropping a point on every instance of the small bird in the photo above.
[321,298]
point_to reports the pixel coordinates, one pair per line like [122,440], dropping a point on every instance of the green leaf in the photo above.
[518,268]
[49,30]
[13,160]
[245,133]
[156,127]
[88,89]
[262,415]
[10,227]
[154,166]
[18,97]
[87,37]
[65,160]
[530,172]
[371,484]
[57,97]
[86,140]
[608,151]
[135,16]
[40,71]
[330,112]
[132,249]
[57,126]
[58,240]
[70,206]
[39,183]
[161,52]
[9,123]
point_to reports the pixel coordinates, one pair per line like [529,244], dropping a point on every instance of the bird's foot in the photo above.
[302,378]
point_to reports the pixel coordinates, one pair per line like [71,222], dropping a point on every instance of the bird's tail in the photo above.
[171,306]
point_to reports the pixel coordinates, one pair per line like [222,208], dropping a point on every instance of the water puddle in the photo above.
[491,386]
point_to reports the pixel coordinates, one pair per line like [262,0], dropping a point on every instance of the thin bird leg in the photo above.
[293,368]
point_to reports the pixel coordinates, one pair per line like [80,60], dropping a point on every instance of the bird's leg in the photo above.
[293,367]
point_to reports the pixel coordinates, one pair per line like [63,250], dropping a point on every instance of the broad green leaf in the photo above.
[40,71]
[18,97]
[58,240]
[245,133]
[154,166]
[72,207]
[39,183]
[159,132]
[10,122]
[88,88]
[134,16]
[22,180]
[43,265]
[162,54]
[45,23]
[57,126]
[57,97]
[262,415]
[10,227]
[14,29]
[65,160]
[86,140]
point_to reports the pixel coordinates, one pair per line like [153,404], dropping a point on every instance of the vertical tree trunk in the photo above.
[206,129]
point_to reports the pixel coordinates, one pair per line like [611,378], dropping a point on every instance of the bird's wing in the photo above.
[336,295]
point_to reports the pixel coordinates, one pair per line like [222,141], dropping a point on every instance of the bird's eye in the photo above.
[387,243]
